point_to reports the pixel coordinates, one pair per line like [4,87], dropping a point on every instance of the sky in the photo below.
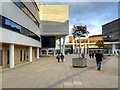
[91,14]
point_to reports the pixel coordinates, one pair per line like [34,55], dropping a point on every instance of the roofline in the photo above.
[111,22]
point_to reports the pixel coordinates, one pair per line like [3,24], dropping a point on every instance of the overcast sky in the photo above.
[92,14]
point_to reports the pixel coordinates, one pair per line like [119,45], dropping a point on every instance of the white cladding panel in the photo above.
[31,7]
[16,38]
[54,28]
[11,11]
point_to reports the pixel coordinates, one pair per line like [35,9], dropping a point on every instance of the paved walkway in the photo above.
[48,73]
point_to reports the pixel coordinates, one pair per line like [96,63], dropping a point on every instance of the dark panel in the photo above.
[48,41]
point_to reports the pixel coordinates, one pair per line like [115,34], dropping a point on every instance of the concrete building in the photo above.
[54,27]
[27,29]
[20,29]
[111,30]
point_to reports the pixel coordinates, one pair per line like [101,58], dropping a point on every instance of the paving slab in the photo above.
[48,73]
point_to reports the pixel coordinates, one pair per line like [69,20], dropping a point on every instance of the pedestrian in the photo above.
[58,57]
[90,54]
[62,57]
[83,55]
[99,57]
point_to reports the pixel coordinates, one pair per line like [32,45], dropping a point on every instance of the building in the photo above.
[54,27]
[111,30]
[20,29]
[86,44]
[28,29]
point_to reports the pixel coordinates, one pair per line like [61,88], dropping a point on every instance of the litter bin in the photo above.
[79,62]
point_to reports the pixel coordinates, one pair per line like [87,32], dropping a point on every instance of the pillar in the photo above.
[30,54]
[88,43]
[78,50]
[47,52]
[73,46]
[82,49]
[60,45]
[63,47]
[113,48]
[54,51]
[11,58]
[38,53]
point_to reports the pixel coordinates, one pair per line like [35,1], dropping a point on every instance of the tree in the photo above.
[78,32]
[100,44]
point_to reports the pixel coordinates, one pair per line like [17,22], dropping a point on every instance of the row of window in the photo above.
[114,35]
[109,27]
[8,24]
[110,32]
[26,11]
[35,5]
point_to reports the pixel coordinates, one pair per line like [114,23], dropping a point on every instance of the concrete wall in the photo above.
[16,38]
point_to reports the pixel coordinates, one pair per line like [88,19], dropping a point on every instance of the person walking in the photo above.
[99,57]
[92,55]
[62,57]
[58,57]
[83,55]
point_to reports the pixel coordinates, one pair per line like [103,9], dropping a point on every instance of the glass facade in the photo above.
[26,11]
[9,24]
[112,30]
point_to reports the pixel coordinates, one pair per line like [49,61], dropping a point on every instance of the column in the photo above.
[11,58]
[63,48]
[82,49]
[60,44]
[88,43]
[73,46]
[30,54]
[113,48]
[54,51]
[47,52]
[78,50]
[38,53]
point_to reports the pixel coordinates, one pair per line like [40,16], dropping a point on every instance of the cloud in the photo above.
[90,11]
[94,30]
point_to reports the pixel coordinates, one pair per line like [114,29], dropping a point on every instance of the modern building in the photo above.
[26,28]
[111,30]
[54,27]
[20,29]
[86,44]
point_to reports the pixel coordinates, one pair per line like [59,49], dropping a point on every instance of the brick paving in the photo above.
[48,73]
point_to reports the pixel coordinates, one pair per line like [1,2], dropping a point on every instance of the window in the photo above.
[0,21]
[26,11]
[35,53]
[35,5]
[9,24]
[24,54]
[20,55]
[0,57]
[8,55]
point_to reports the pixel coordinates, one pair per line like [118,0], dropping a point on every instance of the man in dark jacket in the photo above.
[62,57]
[58,57]
[99,57]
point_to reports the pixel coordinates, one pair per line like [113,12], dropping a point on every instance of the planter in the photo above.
[79,62]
